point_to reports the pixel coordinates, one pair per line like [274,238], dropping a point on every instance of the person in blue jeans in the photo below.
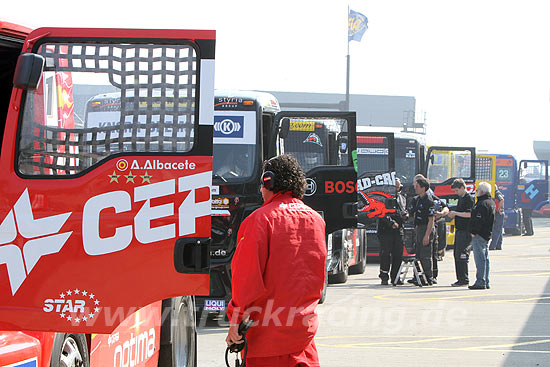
[481,227]
[496,237]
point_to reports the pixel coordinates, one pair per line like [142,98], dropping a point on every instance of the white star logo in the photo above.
[84,318]
[96,309]
[41,234]
[91,296]
[76,291]
[96,302]
[91,315]
[62,315]
[69,318]
[77,320]
[62,295]
[69,292]
[84,293]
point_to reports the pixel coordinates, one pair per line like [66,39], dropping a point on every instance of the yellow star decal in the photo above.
[130,177]
[146,177]
[114,177]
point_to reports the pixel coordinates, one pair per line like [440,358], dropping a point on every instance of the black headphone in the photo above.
[268,180]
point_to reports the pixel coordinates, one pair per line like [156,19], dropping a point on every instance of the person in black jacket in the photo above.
[461,214]
[496,237]
[424,219]
[440,239]
[481,227]
[390,234]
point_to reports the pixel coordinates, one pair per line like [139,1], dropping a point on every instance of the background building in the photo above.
[388,111]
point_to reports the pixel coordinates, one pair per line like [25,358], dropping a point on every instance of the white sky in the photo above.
[480,69]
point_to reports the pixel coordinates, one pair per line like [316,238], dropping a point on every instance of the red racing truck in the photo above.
[104,231]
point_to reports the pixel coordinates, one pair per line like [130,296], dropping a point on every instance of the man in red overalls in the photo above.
[278,271]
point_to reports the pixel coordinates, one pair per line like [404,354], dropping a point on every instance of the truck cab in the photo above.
[104,229]
[245,134]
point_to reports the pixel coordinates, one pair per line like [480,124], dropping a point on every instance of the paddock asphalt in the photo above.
[363,323]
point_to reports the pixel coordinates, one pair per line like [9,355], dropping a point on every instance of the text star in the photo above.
[114,177]
[130,177]
[146,178]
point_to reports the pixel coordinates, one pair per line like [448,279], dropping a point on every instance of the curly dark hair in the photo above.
[289,176]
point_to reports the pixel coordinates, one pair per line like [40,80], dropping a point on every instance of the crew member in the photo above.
[424,216]
[440,239]
[390,233]
[278,271]
[496,237]
[461,214]
[481,225]
[527,213]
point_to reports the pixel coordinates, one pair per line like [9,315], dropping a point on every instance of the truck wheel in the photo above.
[324,294]
[178,333]
[70,350]
[359,268]
[339,278]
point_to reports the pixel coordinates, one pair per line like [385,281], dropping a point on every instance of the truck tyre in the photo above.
[178,336]
[339,278]
[324,294]
[70,350]
[359,268]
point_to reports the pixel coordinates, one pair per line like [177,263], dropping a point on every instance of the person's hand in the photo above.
[233,336]
[473,235]
[395,225]
[426,241]
[501,210]
[451,214]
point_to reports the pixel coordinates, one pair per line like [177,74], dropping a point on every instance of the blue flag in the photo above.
[357,25]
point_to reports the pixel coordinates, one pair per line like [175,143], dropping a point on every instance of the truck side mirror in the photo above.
[432,159]
[343,144]
[525,165]
[284,128]
[28,71]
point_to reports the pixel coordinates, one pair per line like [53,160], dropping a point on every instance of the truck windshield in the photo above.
[233,162]
[405,159]
[445,164]
[317,142]
[372,155]
[96,100]
[235,151]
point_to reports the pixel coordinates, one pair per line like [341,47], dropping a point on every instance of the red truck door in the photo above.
[99,219]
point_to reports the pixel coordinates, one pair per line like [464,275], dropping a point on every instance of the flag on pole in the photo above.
[357,25]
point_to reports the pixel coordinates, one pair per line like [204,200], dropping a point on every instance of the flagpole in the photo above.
[347,70]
